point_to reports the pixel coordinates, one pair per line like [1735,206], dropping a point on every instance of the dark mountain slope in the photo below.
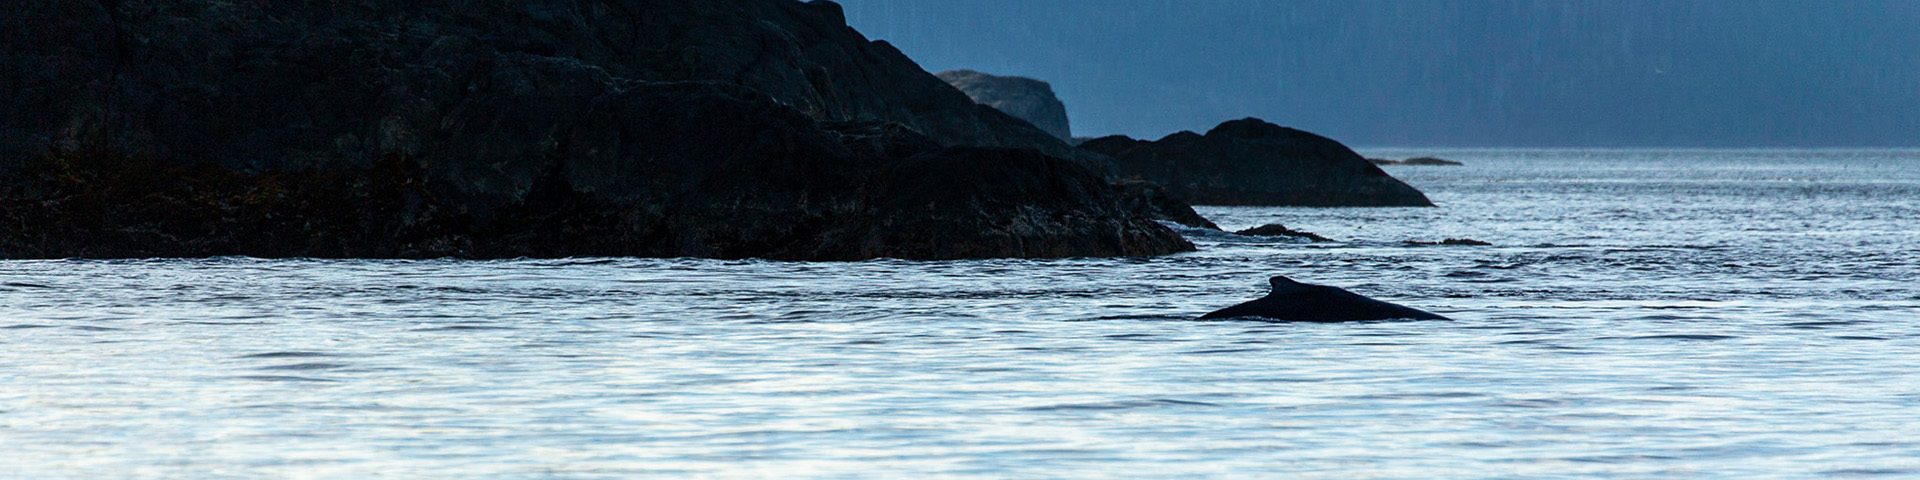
[717,128]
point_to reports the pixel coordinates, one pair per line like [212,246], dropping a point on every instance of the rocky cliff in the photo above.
[1252,162]
[488,128]
[1025,98]
[99,71]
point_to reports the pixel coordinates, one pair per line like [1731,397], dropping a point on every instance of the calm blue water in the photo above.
[1698,314]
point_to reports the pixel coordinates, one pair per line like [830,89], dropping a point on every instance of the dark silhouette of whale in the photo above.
[1299,302]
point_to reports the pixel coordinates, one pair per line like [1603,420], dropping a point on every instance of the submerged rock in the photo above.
[1429,161]
[1252,162]
[1025,98]
[1453,242]
[719,128]
[1278,230]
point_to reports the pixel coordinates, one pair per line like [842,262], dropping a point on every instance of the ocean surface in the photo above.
[1640,314]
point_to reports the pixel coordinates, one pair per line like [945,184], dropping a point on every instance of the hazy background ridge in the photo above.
[1449,72]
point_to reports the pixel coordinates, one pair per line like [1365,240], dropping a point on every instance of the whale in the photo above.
[1293,301]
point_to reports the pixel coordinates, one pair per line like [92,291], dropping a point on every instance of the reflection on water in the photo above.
[1693,313]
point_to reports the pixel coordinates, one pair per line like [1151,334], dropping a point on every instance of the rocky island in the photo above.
[545,128]
[1025,98]
[1253,162]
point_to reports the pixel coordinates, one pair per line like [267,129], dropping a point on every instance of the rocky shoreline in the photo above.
[543,128]
[825,191]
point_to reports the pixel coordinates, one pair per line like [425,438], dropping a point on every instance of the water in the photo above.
[1700,314]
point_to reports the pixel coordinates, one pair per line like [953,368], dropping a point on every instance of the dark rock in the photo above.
[1024,98]
[1429,161]
[1453,241]
[815,196]
[983,202]
[280,80]
[1152,201]
[102,205]
[1252,162]
[362,128]
[1382,161]
[1278,230]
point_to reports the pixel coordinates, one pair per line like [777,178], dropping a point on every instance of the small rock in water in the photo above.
[1428,161]
[1278,230]
[1382,161]
[1452,241]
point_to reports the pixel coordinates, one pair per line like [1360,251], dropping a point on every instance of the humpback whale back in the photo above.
[1286,285]
[1300,302]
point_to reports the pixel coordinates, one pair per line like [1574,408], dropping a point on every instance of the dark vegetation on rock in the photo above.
[481,128]
[1252,162]
[1025,98]
[1278,230]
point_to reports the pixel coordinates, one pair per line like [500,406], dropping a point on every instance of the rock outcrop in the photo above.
[1252,162]
[1278,230]
[648,169]
[282,79]
[364,128]
[1152,201]
[1025,98]
[1430,161]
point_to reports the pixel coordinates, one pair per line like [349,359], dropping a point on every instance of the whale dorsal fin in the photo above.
[1282,285]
